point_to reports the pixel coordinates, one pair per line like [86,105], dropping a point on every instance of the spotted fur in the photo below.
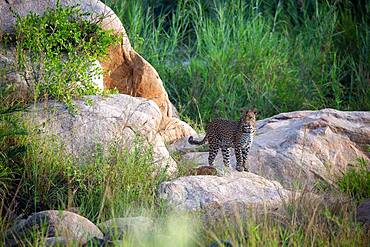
[226,134]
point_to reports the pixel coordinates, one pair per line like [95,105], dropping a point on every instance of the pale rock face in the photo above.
[97,78]
[103,121]
[302,146]
[222,194]
[126,70]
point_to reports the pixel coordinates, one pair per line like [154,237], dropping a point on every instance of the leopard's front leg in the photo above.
[239,159]
[245,152]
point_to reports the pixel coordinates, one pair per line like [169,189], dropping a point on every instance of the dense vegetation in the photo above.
[58,49]
[213,57]
[217,56]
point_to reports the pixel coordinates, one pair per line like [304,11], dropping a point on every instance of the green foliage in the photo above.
[58,49]
[356,181]
[217,56]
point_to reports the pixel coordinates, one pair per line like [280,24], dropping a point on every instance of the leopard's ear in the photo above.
[243,111]
[254,110]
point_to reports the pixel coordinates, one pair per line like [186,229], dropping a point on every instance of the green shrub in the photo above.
[58,48]
[356,181]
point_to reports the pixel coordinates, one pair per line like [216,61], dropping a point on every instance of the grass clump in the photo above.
[110,185]
[58,49]
[356,181]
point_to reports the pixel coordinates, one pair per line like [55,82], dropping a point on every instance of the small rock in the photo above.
[116,228]
[363,213]
[203,170]
[55,241]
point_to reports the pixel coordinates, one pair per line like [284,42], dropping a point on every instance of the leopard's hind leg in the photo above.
[213,150]
[226,156]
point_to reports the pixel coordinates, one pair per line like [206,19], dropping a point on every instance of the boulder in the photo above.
[116,228]
[222,194]
[100,122]
[300,148]
[126,70]
[67,226]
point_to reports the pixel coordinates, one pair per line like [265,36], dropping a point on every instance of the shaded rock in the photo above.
[55,241]
[69,226]
[214,195]
[116,228]
[302,146]
[101,123]
[10,76]
[363,213]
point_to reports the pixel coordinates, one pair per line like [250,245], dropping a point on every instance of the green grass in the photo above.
[218,56]
[356,181]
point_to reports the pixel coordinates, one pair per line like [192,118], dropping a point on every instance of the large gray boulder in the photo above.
[66,225]
[300,148]
[100,122]
[216,195]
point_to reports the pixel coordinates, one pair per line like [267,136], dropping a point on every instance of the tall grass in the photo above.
[304,220]
[215,57]
[44,176]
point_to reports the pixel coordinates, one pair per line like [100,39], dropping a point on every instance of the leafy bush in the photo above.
[58,50]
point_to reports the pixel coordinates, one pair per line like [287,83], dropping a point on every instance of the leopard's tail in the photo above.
[194,142]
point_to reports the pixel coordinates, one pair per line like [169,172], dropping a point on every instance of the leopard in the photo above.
[225,134]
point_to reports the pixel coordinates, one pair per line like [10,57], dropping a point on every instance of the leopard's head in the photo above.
[248,116]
